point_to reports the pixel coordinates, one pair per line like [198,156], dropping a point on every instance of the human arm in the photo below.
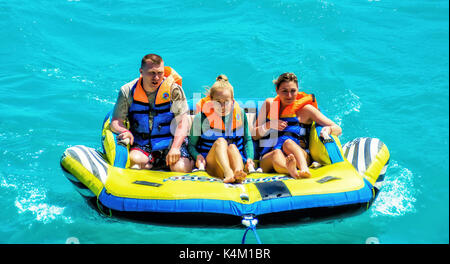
[310,113]
[119,116]
[181,111]
[194,137]
[248,143]
[261,126]
[119,128]
[181,131]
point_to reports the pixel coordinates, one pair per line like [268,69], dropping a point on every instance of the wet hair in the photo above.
[221,84]
[153,58]
[285,77]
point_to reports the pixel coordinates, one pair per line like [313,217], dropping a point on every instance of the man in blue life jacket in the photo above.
[157,111]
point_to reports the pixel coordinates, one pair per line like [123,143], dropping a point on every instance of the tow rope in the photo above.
[250,222]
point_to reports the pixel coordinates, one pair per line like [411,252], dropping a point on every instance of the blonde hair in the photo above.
[221,84]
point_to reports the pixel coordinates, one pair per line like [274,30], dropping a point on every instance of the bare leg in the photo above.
[217,162]
[265,163]
[182,165]
[139,160]
[236,163]
[291,166]
[301,157]
[280,163]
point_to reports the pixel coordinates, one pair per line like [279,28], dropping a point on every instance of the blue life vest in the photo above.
[232,131]
[295,130]
[159,137]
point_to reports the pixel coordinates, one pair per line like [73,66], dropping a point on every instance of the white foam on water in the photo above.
[52,72]
[344,105]
[397,196]
[347,103]
[34,201]
[78,78]
[354,104]
[101,100]
[5,184]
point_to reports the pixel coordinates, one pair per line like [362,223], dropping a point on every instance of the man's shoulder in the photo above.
[126,88]
[177,93]
[175,86]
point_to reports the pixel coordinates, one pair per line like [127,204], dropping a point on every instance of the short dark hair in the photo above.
[153,58]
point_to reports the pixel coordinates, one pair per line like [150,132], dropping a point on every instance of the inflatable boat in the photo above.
[344,178]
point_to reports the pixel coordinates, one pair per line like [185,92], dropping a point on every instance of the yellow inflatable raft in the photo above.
[343,177]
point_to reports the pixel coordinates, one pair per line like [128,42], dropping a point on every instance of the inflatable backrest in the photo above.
[116,153]
[324,151]
[370,157]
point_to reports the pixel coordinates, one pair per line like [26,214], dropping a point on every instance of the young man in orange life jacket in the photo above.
[157,111]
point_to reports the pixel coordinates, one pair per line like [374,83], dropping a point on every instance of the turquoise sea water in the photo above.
[378,68]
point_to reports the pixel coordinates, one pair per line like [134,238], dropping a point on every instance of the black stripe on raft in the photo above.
[272,190]
[147,183]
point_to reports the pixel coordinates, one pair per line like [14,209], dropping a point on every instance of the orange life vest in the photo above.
[215,121]
[232,132]
[200,103]
[294,129]
[158,136]
[301,100]
[163,95]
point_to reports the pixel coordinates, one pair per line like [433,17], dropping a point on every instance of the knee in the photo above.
[289,143]
[277,153]
[221,142]
[138,157]
[232,148]
[183,165]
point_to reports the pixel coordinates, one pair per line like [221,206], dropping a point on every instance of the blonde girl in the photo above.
[220,138]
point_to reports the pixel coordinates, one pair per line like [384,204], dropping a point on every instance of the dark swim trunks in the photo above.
[158,157]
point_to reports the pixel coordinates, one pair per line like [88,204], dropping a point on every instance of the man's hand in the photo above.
[173,156]
[126,135]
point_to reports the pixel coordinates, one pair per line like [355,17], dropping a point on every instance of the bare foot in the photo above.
[228,176]
[291,165]
[304,173]
[148,166]
[239,176]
